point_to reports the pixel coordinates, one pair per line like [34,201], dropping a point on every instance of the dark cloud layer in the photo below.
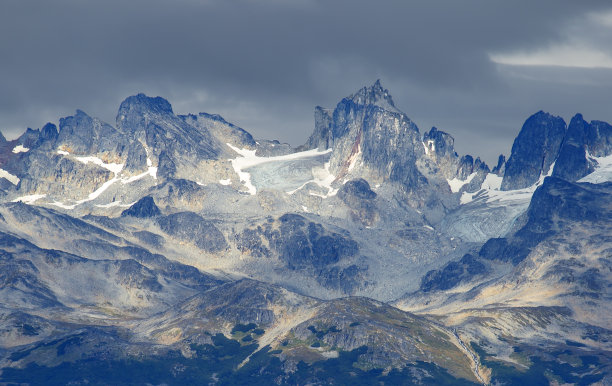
[265,64]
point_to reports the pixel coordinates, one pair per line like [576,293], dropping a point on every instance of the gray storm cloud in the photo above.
[476,69]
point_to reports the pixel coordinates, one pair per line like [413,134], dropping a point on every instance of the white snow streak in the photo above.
[152,171]
[12,178]
[113,167]
[20,149]
[29,199]
[109,205]
[64,206]
[426,149]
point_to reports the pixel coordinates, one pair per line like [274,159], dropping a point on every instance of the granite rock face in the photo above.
[321,137]
[305,246]
[223,131]
[440,147]
[500,168]
[366,130]
[453,274]
[583,141]
[170,140]
[84,135]
[442,162]
[358,196]
[534,150]
[554,207]
[191,227]
[145,207]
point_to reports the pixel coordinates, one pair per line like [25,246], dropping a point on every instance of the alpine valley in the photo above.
[178,249]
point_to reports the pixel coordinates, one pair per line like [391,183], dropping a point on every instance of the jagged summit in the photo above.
[48,132]
[534,150]
[374,95]
[439,143]
[142,103]
[583,141]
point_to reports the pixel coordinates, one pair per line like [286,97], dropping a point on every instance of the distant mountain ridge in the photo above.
[183,245]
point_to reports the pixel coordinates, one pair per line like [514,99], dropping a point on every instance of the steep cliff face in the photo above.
[368,134]
[440,147]
[534,150]
[322,136]
[583,141]
[169,141]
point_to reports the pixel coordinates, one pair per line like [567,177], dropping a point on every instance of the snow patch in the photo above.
[99,191]
[29,199]
[323,178]
[152,171]
[456,184]
[490,190]
[426,149]
[225,182]
[20,149]
[431,145]
[63,206]
[603,170]
[92,196]
[11,177]
[247,159]
[428,227]
[492,182]
[330,354]
[113,167]
[109,205]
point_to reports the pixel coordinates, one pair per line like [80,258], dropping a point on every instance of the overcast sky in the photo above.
[474,68]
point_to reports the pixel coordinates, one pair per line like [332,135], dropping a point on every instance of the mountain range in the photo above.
[179,249]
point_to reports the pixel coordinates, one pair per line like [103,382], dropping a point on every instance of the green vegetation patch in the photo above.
[220,363]
[542,371]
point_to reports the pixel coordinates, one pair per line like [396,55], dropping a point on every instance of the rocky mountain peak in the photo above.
[439,143]
[140,103]
[83,134]
[534,150]
[583,140]
[374,95]
[500,168]
[382,210]
[49,132]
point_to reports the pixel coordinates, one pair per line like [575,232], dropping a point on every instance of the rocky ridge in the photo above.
[169,234]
